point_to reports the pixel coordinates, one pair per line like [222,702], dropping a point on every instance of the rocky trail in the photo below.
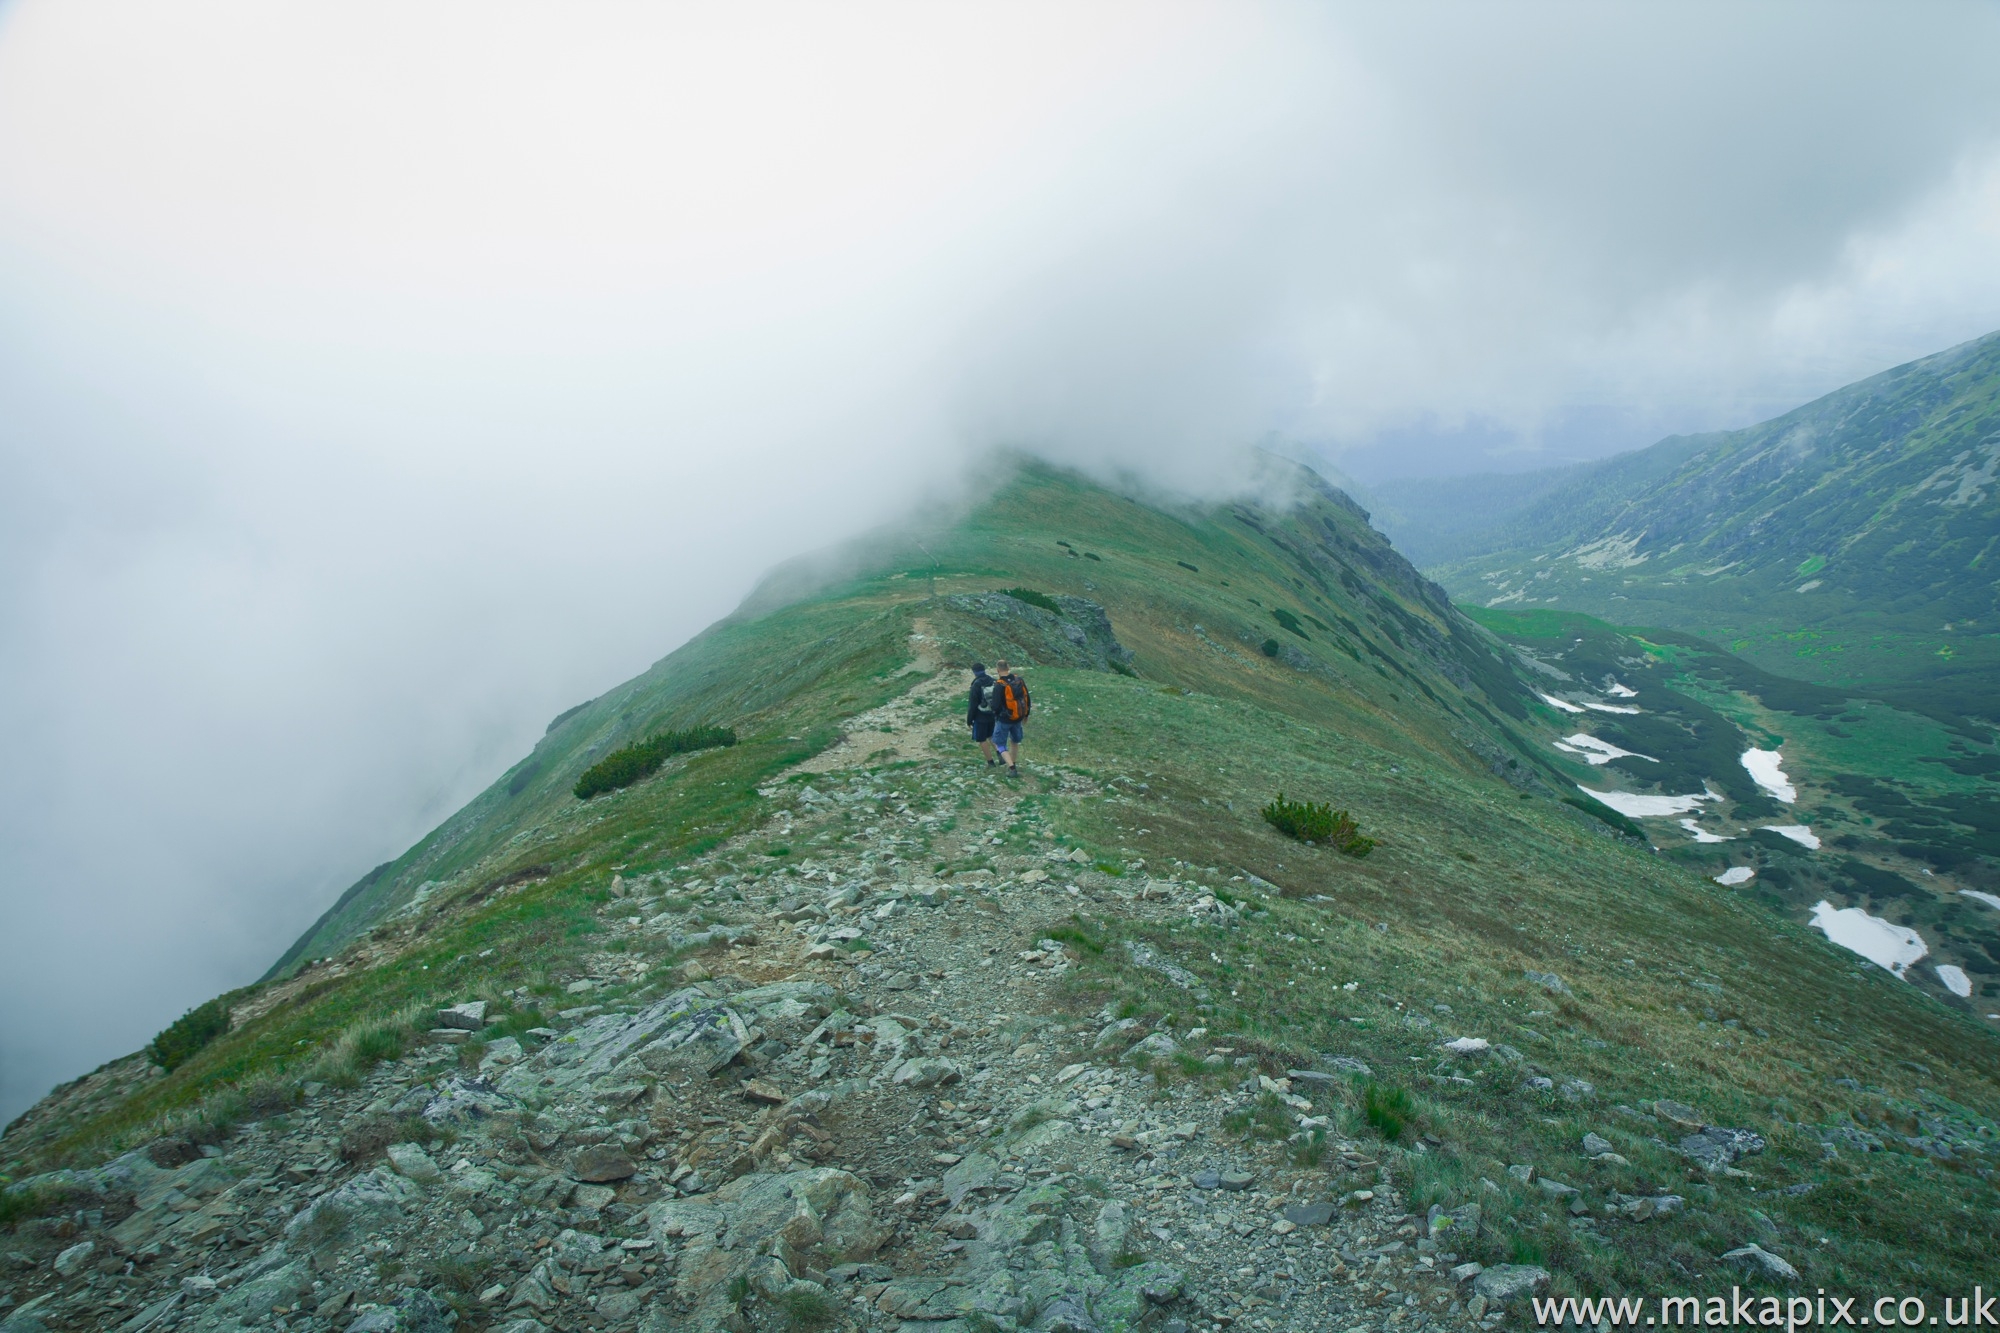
[859,1101]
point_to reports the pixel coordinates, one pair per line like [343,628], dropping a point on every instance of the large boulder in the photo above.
[1507,1282]
[814,1218]
[1757,1260]
[363,1205]
[688,1031]
[1033,1251]
[1716,1147]
[252,1300]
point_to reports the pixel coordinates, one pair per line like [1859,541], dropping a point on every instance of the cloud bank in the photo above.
[378,379]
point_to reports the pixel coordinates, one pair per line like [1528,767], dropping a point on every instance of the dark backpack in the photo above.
[1010,699]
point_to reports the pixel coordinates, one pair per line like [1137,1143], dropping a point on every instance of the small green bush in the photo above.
[189,1033]
[1033,598]
[19,1202]
[1311,1150]
[1318,824]
[1387,1108]
[1123,669]
[1290,623]
[268,1095]
[1270,647]
[806,1309]
[1185,565]
[1266,1118]
[1074,933]
[623,767]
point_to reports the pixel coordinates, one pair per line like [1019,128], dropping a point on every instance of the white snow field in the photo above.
[1632,805]
[1883,943]
[1764,769]
[1594,751]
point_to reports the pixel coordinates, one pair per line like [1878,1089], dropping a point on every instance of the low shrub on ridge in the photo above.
[189,1033]
[623,767]
[1311,823]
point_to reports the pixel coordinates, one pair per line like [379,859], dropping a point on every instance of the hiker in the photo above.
[979,711]
[1010,710]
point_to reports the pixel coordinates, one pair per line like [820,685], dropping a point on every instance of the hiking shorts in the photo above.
[982,729]
[1005,732]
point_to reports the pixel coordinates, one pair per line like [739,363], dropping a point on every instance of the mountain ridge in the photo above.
[1096,1043]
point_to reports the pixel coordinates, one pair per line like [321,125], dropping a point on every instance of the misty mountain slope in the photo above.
[1850,542]
[1437,521]
[764,657]
[1087,987]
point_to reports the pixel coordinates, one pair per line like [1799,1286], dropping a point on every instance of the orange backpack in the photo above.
[1010,700]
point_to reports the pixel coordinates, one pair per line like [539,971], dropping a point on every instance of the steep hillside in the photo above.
[834,1027]
[1850,542]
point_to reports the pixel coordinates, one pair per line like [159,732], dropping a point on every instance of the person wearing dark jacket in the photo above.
[979,711]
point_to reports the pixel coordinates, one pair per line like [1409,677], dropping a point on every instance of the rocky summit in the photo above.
[824,1022]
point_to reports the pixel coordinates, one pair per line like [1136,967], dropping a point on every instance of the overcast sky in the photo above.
[378,379]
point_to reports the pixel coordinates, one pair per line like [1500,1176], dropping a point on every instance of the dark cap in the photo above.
[979,666]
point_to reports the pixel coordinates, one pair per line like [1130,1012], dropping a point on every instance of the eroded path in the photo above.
[866,1097]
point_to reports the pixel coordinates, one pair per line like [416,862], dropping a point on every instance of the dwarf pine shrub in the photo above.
[623,767]
[1290,623]
[1311,823]
[1033,598]
[189,1033]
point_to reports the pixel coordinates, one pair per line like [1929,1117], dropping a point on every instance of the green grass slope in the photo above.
[1272,649]
[1850,542]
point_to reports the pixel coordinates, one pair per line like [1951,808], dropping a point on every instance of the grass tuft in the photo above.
[807,1309]
[1387,1108]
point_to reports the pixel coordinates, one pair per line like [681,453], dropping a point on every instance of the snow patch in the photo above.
[1562,704]
[1617,552]
[1632,805]
[1736,875]
[1701,834]
[1798,833]
[1596,707]
[1620,691]
[1955,980]
[1595,751]
[1764,770]
[1883,943]
[1986,898]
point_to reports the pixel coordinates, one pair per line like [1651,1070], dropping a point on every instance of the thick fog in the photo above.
[379,379]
